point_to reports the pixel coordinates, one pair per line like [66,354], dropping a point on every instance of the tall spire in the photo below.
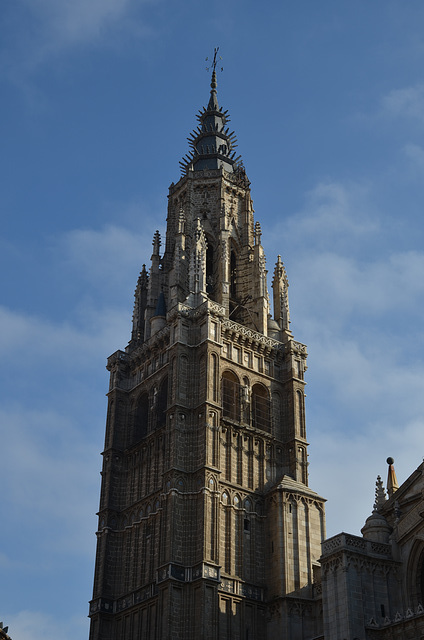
[213,100]
[140,301]
[212,145]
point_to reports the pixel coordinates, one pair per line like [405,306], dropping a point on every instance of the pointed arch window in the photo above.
[300,402]
[415,573]
[209,268]
[215,376]
[276,415]
[162,404]
[233,274]
[230,396]
[141,421]
[261,414]
[421,584]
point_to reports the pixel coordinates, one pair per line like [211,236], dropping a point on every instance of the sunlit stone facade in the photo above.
[207,526]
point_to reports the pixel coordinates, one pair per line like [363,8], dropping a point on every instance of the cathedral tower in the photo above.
[207,526]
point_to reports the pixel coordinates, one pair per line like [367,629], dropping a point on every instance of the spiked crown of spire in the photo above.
[212,144]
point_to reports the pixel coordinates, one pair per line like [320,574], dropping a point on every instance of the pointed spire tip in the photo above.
[392,483]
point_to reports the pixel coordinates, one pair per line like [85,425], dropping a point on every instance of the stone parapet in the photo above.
[348,542]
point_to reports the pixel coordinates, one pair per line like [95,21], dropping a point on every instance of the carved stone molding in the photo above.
[253,336]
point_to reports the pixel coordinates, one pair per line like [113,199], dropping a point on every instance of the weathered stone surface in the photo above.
[207,526]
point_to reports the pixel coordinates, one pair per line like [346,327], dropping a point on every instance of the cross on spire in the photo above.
[214,61]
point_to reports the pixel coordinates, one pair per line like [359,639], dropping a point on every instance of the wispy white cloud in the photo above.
[367,376]
[340,288]
[106,256]
[44,29]
[407,102]
[334,215]
[335,279]
[68,22]
[25,625]
[415,155]
[355,459]
[30,338]
[354,309]
[47,463]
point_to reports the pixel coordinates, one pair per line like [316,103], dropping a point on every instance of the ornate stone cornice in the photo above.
[344,550]
[298,348]
[185,311]
[239,330]
[118,358]
[348,542]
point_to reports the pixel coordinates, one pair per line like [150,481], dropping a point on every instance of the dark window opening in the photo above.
[141,421]
[246,525]
[422,580]
[300,414]
[162,404]
[233,275]
[209,269]
[230,396]
[261,414]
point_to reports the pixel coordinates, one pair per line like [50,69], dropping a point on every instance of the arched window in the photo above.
[415,574]
[202,377]
[421,591]
[276,416]
[215,378]
[162,403]
[303,465]
[300,409]
[183,377]
[141,421]
[209,269]
[230,396]
[261,414]
[233,275]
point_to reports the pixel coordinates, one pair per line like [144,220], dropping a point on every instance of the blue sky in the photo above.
[98,97]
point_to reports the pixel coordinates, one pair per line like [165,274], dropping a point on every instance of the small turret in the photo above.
[158,320]
[156,244]
[155,281]
[280,285]
[197,271]
[179,264]
[140,301]
[376,527]
[259,290]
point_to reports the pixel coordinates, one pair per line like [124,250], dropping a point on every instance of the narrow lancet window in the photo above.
[261,414]
[230,396]
[233,275]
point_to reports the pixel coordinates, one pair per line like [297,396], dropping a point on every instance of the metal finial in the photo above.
[392,483]
[214,61]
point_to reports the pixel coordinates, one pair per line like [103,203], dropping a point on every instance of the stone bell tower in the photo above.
[207,526]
